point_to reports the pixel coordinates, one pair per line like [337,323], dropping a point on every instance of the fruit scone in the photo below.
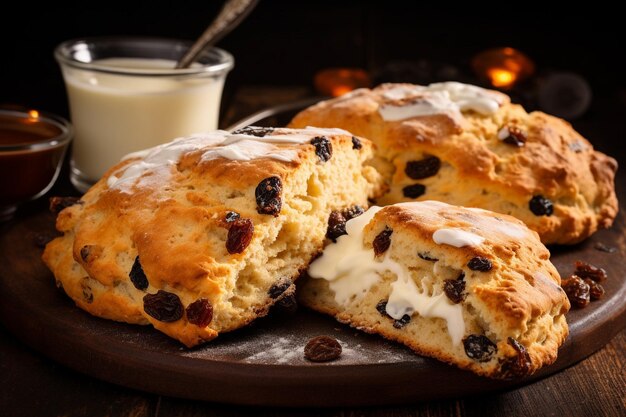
[468,146]
[466,286]
[202,235]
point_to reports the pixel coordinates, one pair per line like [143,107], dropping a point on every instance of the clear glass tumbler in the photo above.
[125,95]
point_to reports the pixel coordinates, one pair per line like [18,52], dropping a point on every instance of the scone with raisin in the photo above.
[468,146]
[466,286]
[202,235]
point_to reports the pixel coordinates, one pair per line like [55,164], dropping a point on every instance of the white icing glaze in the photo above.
[457,237]
[158,161]
[452,98]
[352,269]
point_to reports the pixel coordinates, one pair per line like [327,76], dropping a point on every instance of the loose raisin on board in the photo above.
[596,290]
[541,206]
[239,235]
[254,131]
[268,196]
[336,225]
[382,241]
[137,276]
[414,191]
[323,148]
[163,306]
[322,349]
[479,263]
[479,347]
[577,290]
[455,288]
[200,312]
[423,168]
[356,143]
[585,270]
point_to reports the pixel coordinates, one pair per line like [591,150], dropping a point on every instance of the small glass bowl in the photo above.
[32,148]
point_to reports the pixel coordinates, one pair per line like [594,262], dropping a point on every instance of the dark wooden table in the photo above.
[32,385]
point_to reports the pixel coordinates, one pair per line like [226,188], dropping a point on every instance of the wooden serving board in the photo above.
[264,364]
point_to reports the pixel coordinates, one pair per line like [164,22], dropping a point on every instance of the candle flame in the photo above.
[33,115]
[501,77]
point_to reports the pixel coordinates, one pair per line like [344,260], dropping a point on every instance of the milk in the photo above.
[115,114]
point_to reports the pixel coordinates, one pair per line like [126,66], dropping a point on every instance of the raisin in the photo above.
[231,216]
[137,276]
[323,148]
[604,248]
[423,168]
[356,143]
[426,257]
[86,290]
[352,212]
[279,288]
[585,270]
[322,349]
[455,289]
[381,307]
[596,290]
[239,235]
[254,131]
[541,206]
[287,304]
[163,306]
[84,252]
[512,135]
[577,291]
[268,196]
[382,241]
[479,348]
[59,203]
[480,264]
[336,226]
[518,366]
[414,191]
[200,312]
[402,321]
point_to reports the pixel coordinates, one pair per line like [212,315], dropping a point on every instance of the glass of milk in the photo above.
[125,95]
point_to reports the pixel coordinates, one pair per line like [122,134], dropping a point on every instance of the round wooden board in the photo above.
[263,364]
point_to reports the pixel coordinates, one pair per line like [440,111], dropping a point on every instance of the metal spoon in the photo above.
[231,15]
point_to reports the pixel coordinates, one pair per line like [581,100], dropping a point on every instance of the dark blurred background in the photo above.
[286,43]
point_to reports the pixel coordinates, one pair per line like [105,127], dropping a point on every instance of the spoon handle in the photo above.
[233,12]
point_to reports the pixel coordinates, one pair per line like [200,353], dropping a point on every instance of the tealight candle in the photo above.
[32,146]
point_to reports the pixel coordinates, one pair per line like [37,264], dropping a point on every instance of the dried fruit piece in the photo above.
[254,131]
[427,257]
[323,148]
[86,290]
[59,203]
[231,216]
[163,306]
[402,321]
[200,312]
[239,235]
[287,304]
[352,212]
[137,276]
[356,143]
[512,135]
[479,348]
[577,291]
[381,307]
[455,288]
[596,291]
[479,263]
[541,206]
[518,366]
[322,349]
[423,168]
[84,252]
[382,241]
[585,270]
[336,226]
[279,288]
[414,191]
[268,196]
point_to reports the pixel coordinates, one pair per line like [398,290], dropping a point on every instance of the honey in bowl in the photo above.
[32,147]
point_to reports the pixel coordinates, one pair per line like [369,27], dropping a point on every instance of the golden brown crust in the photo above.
[480,170]
[174,220]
